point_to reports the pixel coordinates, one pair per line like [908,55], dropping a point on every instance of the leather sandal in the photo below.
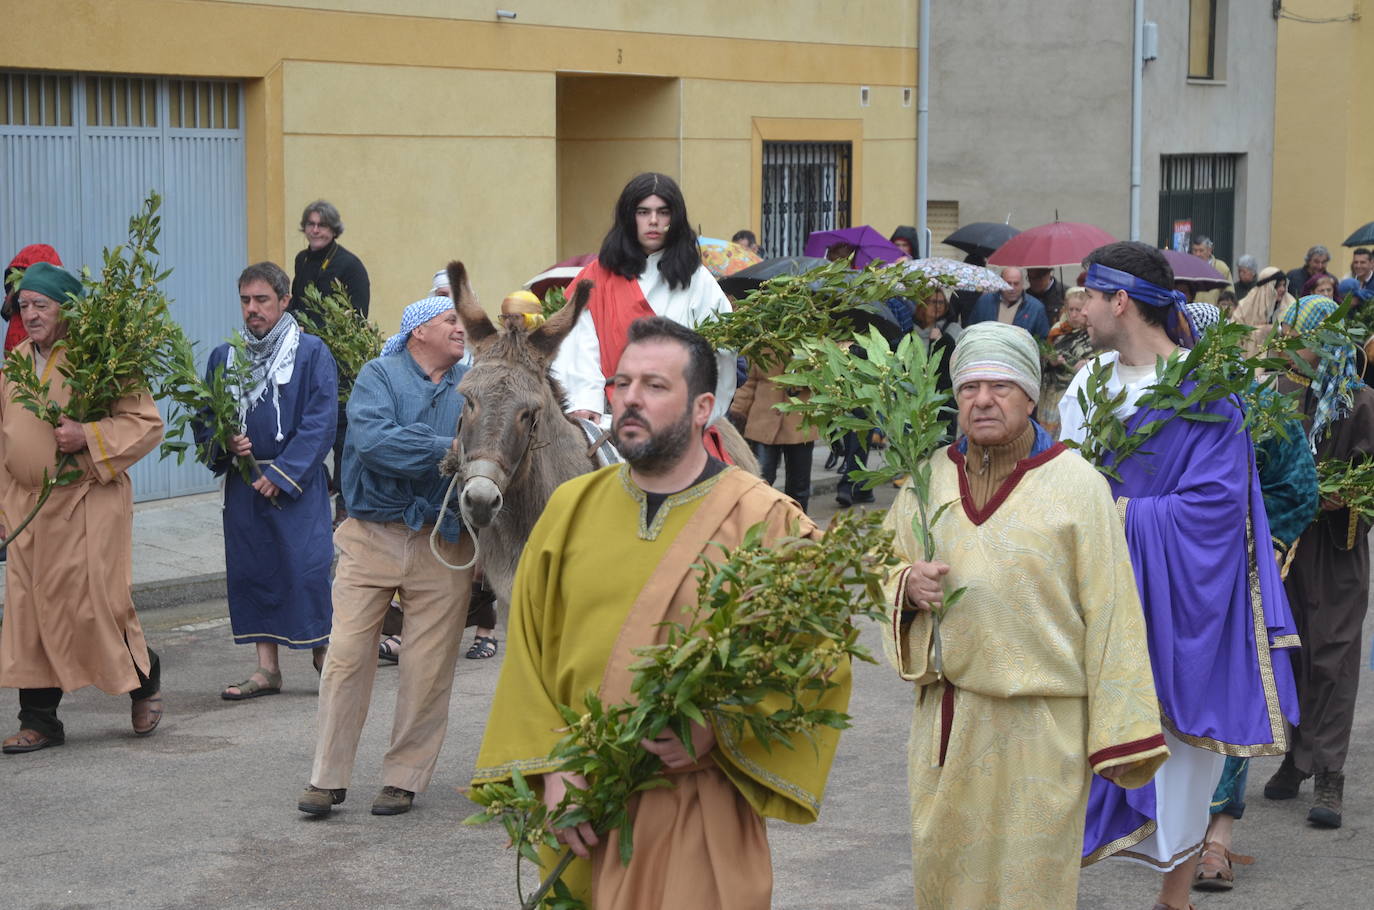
[146,714]
[251,688]
[1214,872]
[390,648]
[483,646]
[29,741]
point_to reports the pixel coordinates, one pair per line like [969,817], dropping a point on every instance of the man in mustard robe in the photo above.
[609,560]
[69,615]
[1042,675]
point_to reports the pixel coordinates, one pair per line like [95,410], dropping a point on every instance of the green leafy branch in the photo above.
[789,311]
[1350,483]
[773,621]
[350,337]
[553,300]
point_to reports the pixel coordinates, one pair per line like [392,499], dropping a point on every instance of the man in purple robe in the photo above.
[1214,604]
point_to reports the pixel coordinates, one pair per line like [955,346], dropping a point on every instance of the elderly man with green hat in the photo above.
[69,615]
[1036,676]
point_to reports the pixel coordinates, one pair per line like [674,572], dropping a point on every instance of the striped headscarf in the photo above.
[997,351]
[1337,377]
[417,314]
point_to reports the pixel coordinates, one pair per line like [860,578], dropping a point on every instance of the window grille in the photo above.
[202,104]
[35,99]
[806,187]
[121,101]
[1201,190]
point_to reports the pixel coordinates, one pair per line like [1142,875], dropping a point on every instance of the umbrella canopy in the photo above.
[868,244]
[1051,245]
[559,275]
[742,282]
[1361,236]
[721,257]
[981,237]
[964,277]
[1193,270]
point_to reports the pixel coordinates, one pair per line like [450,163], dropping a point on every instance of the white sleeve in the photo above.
[1071,417]
[578,367]
[708,299]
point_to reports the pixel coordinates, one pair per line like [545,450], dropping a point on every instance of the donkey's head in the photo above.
[508,396]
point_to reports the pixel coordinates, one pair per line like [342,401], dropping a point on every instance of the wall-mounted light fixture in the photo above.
[505,14]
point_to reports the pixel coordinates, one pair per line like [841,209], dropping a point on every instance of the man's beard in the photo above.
[662,450]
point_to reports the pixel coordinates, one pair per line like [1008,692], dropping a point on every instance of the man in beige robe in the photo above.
[610,560]
[1038,675]
[69,614]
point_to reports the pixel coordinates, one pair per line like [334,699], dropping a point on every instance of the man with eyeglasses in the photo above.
[69,614]
[324,261]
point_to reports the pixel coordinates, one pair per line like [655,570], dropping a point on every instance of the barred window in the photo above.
[202,104]
[121,101]
[35,99]
[806,187]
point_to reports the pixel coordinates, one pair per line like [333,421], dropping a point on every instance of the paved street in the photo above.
[202,814]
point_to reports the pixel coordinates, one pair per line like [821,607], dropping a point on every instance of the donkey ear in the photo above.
[475,319]
[546,339]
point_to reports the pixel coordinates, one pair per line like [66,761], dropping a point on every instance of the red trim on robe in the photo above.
[978,516]
[1149,744]
[946,719]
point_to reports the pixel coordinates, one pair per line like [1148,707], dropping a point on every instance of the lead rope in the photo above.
[467,527]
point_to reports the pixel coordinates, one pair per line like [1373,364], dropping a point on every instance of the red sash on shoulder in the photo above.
[615,302]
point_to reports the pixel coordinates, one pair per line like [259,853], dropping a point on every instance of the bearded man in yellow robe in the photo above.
[69,614]
[610,559]
[1041,676]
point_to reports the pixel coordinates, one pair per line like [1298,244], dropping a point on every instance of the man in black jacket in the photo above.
[323,261]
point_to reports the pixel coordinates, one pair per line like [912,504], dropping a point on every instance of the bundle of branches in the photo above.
[553,300]
[1350,483]
[121,340]
[348,334]
[829,301]
[772,623]
[214,404]
[896,392]
[1216,369]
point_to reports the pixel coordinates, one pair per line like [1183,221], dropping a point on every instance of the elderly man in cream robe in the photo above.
[1040,678]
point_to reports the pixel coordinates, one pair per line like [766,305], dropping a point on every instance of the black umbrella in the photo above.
[981,237]
[746,280]
[1361,236]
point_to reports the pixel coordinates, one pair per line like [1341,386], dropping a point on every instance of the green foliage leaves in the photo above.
[1350,483]
[773,622]
[348,334]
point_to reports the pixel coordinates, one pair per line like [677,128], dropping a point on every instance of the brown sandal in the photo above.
[146,714]
[27,740]
[1214,872]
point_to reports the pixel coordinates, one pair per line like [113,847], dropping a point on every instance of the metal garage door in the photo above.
[79,153]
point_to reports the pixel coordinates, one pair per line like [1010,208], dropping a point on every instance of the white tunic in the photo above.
[578,364]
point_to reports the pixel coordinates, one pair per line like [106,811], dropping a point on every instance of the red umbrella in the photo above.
[558,275]
[1194,270]
[1051,245]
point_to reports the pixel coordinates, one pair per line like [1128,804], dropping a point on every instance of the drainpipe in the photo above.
[922,112]
[1137,130]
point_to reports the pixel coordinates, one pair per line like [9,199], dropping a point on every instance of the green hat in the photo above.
[50,281]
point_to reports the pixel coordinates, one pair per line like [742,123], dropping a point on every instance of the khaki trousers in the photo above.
[377,560]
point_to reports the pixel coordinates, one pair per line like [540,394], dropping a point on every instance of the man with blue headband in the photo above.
[1328,581]
[1215,610]
[402,418]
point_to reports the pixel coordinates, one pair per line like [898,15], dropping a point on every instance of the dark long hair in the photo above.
[621,252]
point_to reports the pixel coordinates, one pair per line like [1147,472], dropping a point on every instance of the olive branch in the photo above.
[773,621]
[1351,483]
[351,338]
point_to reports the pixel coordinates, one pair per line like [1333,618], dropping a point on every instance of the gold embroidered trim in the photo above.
[1354,527]
[725,738]
[523,765]
[650,530]
[1121,843]
[243,639]
[288,478]
[1121,503]
[1287,641]
[100,444]
[1299,379]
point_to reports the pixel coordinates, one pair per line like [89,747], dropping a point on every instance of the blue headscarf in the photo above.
[1338,379]
[1179,328]
[418,313]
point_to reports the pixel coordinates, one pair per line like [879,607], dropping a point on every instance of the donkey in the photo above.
[515,443]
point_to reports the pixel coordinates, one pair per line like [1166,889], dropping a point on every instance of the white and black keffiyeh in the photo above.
[272,360]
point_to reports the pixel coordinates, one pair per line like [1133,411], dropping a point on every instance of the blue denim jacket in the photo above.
[399,425]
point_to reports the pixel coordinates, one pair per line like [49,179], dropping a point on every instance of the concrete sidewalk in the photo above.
[179,543]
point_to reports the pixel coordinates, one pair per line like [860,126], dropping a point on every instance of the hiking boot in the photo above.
[393,801]
[1326,811]
[317,801]
[1286,781]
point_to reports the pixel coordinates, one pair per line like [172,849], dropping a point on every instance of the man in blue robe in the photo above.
[1215,609]
[278,541]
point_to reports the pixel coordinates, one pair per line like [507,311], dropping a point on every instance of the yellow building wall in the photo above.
[439,132]
[1324,144]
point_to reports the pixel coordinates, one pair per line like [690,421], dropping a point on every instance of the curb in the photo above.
[171,592]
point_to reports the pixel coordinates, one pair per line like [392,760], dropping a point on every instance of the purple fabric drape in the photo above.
[1186,531]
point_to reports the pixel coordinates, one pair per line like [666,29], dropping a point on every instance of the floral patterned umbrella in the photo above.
[964,277]
[721,257]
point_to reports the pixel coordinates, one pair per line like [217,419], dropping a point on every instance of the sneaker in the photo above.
[1286,781]
[1326,811]
[393,801]
[317,801]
